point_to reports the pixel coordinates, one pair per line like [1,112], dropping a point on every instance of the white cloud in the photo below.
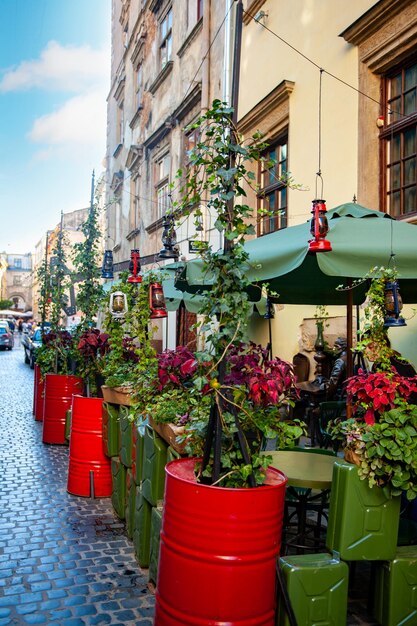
[59,68]
[81,120]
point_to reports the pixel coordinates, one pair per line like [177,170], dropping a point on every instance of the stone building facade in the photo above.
[18,281]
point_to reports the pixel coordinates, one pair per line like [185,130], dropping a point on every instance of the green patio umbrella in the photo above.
[360,238]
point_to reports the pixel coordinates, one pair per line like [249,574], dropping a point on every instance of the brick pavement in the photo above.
[64,560]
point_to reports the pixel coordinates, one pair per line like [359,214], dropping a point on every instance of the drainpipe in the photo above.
[205,70]
[227,57]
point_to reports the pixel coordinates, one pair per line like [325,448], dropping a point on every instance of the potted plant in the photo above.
[230,518]
[89,471]
[57,355]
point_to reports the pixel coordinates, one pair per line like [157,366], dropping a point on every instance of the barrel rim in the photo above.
[187,476]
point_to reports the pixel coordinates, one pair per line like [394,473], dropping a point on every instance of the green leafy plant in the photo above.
[87,270]
[221,169]
[6,304]
[57,354]
[385,451]
[131,360]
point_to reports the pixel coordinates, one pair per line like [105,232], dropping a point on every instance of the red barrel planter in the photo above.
[86,452]
[38,390]
[218,551]
[58,392]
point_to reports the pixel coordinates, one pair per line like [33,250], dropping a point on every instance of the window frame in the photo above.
[392,131]
[161,184]
[165,46]
[267,224]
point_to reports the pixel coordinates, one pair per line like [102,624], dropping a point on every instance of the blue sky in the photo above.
[54,79]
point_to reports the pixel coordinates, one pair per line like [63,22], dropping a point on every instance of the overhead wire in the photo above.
[307,58]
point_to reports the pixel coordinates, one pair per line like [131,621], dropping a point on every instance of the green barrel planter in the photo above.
[156,525]
[142,528]
[110,429]
[68,425]
[118,497]
[363,521]
[395,589]
[155,459]
[130,503]
[138,443]
[125,433]
[318,588]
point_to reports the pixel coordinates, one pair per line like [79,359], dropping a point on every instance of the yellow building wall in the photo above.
[313,27]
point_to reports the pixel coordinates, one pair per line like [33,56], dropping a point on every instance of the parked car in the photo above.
[6,338]
[5,324]
[31,341]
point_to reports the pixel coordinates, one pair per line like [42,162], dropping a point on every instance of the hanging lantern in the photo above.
[107,266]
[270,311]
[393,305]
[118,304]
[169,239]
[134,267]
[319,228]
[199,223]
[157,301]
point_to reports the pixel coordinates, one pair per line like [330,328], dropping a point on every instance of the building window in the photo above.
[134,203]
[120,123]
[162,167]
[17,280]
[272,194]
[166,39]
[399,139]
[195,12]
[139,86]
[190,141]
[17,263]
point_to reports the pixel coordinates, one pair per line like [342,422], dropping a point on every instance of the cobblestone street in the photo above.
[64,561]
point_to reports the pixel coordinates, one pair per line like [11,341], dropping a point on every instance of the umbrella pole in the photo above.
[349,356]
[270,339]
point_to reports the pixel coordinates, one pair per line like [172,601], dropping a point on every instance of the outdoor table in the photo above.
[305,471]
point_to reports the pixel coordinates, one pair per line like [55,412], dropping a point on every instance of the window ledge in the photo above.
[136,117]
[167,69]
[152,228]
[190,38]
[133,234]
[117,150]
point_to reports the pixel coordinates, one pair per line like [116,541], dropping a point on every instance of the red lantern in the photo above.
[157,301]
[319,228]
[134,267]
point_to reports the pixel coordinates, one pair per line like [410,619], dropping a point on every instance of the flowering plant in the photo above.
[385,451]
[57,352]
[376,392]
[257,388]
[92,346]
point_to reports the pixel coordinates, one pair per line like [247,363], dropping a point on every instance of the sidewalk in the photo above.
[64,560]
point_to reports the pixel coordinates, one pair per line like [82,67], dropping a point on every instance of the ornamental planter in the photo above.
[218,551]
[117,395]
[38,391]
[169,433]
[89,469]
[58,393]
